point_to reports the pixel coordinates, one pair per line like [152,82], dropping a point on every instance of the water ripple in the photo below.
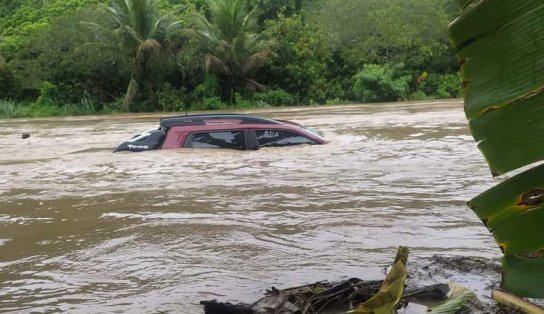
[87,231]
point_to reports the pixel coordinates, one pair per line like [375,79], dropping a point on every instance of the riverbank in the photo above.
[10,109]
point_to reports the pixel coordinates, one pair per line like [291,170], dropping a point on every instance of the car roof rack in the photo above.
[200,119]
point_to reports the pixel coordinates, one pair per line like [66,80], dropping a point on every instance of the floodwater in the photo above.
[83,230]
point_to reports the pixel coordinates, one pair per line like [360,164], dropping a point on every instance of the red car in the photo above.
[234,131]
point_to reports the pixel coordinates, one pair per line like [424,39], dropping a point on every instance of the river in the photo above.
[83,230]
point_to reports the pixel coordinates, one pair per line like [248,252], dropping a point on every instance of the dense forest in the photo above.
[100,56]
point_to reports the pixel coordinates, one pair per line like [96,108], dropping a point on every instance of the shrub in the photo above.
[8,109]
[47,95]
[242,103]
[86,104]
[172,99]
[442,85]
[449,86]
[276,97]
[208,103]
[37,110]
[336,101]
[418,95]
[377,83]
[208,88]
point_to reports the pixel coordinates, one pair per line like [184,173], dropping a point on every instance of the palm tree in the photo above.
[234,52]
[141,35]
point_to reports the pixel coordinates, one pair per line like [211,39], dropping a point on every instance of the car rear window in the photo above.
[273,138]
[223,139]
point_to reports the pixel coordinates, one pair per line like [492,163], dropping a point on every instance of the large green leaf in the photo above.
[500,46]
[463,3]
[514,212]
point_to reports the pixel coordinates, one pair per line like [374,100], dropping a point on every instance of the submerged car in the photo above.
[233,131]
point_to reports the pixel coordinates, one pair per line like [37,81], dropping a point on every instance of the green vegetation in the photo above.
[501,65]
[234,51]
[91,56]
[141,36]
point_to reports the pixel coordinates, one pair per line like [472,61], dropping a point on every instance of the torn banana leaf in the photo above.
[500,47]
[514,212]
[391,290]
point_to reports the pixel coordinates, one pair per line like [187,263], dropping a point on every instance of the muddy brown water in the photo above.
[83,230]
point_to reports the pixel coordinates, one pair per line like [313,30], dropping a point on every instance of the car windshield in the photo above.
[313,131]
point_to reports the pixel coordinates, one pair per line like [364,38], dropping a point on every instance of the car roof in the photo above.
[223,118]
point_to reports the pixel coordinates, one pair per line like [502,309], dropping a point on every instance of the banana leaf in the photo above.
[463,3]
[500,47]
[391,290]
[514,212]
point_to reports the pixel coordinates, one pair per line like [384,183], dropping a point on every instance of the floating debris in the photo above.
[354,295]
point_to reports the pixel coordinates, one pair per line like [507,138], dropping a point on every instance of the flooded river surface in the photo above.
[83,230]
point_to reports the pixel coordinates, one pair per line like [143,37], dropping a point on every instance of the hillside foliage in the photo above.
[180,55]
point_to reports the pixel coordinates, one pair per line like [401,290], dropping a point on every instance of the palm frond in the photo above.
[118,11]
[215,65]
[249,18]
[132,33]
[150,45]
[207,30]
[96,27]
[254,85]
[174,24]
[144,15]
[256,60]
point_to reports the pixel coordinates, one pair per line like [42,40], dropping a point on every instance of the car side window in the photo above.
[274,138]
[222,139]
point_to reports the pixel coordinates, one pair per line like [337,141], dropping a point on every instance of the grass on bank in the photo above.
[48,104]
[12,109]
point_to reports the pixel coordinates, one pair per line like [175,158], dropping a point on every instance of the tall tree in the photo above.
[304,54]
[140,34]
[234,51]
[271,9]
[7,88]
[387,31]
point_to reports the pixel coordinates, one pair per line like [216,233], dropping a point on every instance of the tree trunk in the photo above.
[227,89]
[132,90]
